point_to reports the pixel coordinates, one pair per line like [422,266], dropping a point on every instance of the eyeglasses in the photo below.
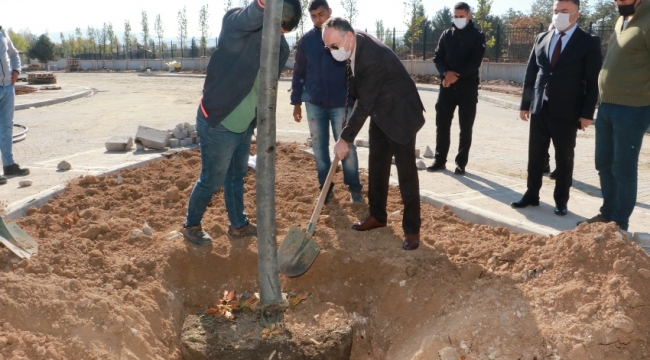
[331,47]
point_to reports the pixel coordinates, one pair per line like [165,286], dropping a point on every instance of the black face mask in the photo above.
[626,10]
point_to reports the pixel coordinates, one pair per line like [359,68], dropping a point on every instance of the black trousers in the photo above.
[382,149]
[545,128]
[448,99]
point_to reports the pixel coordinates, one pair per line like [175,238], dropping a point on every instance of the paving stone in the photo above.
[151,138]
[428,153]
[119,143]
[179,134]
[173,143]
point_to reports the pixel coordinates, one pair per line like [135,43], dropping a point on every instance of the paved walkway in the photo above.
[496,173]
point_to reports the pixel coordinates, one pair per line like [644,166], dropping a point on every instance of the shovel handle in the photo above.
[311,227]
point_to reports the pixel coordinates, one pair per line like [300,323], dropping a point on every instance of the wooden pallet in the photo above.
[41,78]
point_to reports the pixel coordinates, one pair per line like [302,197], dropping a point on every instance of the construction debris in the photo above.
[25,183]
[421,165]
[119,143]
[151,138]
[41,78]
[183,135]
[428,153]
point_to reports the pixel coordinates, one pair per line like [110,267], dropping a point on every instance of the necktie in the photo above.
[348,78]
[558,50]
[556,55]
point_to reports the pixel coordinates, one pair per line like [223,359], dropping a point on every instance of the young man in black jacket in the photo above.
[458,58]
[227,115]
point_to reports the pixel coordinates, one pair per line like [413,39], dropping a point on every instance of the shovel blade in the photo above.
[296,253]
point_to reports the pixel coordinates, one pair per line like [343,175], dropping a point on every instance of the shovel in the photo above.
[16,240]
[298,250]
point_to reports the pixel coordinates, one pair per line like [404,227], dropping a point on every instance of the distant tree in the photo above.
[127,34]
[389,38]
[228,4]
[159,28]
[145,31]
[543,10]
[305,17]
[351,10]
[482,19]
[204,26]
[110,34]
[442,19]
[42,49]
[182,27]
[604,13]
[380,30]
[92,44]
[20,42]
[413,19]
[103,39]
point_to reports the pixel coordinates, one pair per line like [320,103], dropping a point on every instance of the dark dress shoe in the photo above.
[436,166]
[411,241]
[459,170]
[561,209]
[368,224]
[3,180]
[524,202]
[15,170]
[552,175]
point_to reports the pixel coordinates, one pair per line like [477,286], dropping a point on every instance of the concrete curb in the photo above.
[19,208]
[81,94]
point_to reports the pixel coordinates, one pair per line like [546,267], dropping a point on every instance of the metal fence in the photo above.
[510,45]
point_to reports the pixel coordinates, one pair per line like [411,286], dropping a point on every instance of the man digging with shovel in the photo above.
[227,116]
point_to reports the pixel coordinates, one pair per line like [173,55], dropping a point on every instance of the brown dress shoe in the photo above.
[411,241]
[368,224]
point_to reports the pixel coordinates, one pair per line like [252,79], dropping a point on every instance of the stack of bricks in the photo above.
[183,135]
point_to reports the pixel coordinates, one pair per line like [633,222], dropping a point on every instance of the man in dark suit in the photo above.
[560,96]
[384,91]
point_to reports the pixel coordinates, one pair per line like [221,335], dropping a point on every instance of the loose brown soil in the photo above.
[503,86]
[100,289]
[24,90]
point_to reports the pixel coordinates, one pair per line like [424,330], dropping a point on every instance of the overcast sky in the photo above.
[41,16]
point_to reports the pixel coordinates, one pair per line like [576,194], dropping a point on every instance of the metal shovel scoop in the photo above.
[298,250]
[16,240]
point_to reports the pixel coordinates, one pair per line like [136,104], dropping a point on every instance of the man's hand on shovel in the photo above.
[341,149]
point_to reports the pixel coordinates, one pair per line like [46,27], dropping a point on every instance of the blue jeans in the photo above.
[224,157]
[7,97]
[319,120]
[619,136]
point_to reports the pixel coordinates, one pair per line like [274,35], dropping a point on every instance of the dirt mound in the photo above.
[101,289]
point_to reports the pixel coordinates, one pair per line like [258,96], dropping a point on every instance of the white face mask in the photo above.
[340,54]
[561,21]
[460,22]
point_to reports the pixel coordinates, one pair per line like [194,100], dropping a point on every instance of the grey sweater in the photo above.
[234,65]
[9,59]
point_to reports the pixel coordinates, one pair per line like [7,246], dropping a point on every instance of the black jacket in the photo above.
[235,64]
[573,82]
[461,51]
[384,91]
